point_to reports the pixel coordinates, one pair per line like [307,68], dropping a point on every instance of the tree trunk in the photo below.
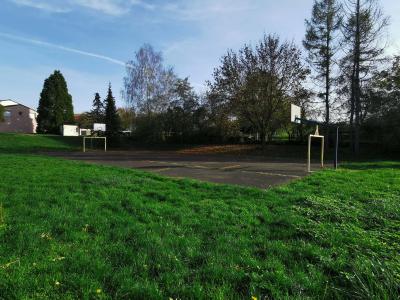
[327,82]
[357,92]
[351,121]
[263,139]
[327,109]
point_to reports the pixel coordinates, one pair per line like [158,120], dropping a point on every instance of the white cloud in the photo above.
[144,4]
[108,7]
[199,10]
[60,47]
[184,10]
[43,5]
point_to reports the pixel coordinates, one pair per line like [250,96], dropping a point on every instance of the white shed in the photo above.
[70,130]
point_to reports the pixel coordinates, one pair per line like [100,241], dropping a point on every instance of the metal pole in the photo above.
[336,148]
[322,152]
[84,150]
[105,144]
[309,154]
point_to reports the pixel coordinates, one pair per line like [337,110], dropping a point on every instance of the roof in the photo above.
[9,102]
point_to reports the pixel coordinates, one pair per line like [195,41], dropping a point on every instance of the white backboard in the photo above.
[295,113]
[99,127]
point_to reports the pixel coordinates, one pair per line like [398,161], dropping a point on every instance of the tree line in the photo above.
[250,92]
[345,45]
[340,74]
[56,109]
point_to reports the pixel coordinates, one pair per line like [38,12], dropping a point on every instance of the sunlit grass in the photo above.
[74,230]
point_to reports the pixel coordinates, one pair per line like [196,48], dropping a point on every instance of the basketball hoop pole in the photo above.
[336,148]
[295,117]
[315,135]
[336,158]
[309,149]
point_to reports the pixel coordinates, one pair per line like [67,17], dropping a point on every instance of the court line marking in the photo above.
[273,174]
[162,170]
[224,168]
[231,167]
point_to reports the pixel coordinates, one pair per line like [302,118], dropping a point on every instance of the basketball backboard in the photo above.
[295,113]
[99,127]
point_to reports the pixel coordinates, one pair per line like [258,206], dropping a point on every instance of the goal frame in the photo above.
[92,138]
[310,137]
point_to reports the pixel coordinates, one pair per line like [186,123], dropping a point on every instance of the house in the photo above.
[74,130]
[18,118]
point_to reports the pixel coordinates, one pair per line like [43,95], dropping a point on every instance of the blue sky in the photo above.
[89,40]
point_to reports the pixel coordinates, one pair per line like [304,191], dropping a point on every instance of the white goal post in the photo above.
[310,137]
[295,117]
[94,137]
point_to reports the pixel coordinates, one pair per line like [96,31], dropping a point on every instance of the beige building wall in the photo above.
[19,118]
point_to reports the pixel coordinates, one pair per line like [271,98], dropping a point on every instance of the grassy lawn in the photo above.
[73,230]
[28,143]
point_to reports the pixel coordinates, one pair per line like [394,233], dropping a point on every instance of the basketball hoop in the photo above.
[295,117]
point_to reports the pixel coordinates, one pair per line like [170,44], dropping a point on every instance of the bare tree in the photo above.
[148,85]
[363,33]
[258,83]
[321,42]
[127,117]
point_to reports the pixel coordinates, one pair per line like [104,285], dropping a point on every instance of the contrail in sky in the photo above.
[67,49]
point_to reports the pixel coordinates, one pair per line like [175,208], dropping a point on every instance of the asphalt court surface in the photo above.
[253,171]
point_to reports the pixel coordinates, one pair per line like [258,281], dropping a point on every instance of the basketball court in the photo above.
[272,168]
[245,170]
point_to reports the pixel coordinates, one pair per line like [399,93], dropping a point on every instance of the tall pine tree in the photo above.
[97,112]
[363,40]
[113,123]
[321,43]
[55,105]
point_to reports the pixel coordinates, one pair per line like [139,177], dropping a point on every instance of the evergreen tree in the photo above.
[113,123]
[363,35]
[97,113]
[2,113]
[55,105]
[321,43]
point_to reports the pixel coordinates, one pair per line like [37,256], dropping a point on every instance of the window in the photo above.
[7,114]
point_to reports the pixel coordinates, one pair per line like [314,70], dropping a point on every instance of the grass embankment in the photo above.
[74,230]
[29,143]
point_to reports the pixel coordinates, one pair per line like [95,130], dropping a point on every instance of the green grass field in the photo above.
[29,143]
[72,230]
